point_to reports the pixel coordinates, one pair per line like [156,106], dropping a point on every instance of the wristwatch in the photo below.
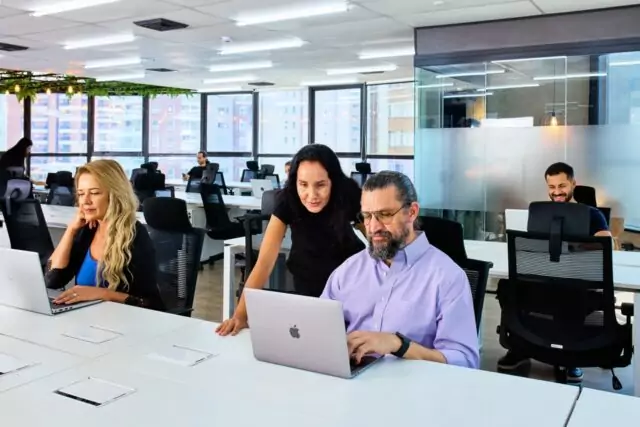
[406,342]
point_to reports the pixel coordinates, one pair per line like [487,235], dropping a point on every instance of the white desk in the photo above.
[600,408]
[132,323]
[40,361]
[218,390]
[239,202]
[238,185]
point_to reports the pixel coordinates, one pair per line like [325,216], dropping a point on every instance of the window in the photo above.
[284,116]
[118,123]
[11,121]
[390,119]
[278,162]
[173,167]
[404,166]
[230,123]
[59,124]
[337,119]
[231,167]
[41,166]
[349,165]
[175,124]
[127,163]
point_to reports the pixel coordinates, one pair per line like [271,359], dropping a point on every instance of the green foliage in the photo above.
[26,84]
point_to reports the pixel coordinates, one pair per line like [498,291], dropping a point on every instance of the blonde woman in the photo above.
[105,248]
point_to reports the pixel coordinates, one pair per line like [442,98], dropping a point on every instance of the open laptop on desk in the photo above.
[301,332]
[259,186]
[22,284]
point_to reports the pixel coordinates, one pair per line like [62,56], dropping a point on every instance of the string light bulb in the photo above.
[48,91]
[70,89]
[17,88]
[6,92]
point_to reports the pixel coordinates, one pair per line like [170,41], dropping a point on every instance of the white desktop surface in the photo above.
[242,202]
[42,362]
[132,323]
[61,216]
[602,408]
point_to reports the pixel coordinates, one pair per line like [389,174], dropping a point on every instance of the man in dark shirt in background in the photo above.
[561,183]
[196,171]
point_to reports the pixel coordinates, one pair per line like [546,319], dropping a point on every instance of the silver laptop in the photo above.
[259,186]
[301,332]
[516,219]
[22,284]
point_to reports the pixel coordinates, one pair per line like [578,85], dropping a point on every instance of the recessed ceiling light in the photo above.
[334,82]
[469,74]
[358,70]
[261,46]
[117,77]
[388,53]
[221,89]
[293,13]
[570,76]
[67,6]
[436,85]
[114,62]
[236,79]
[438,2]
[518,86]
[542,58]
[100,41]
[624,63]
[238,66]
[468,95]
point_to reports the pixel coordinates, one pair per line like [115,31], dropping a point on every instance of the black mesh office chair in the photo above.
[248,175]
[587,195]
[62,190]
[220,182]
[25,222]
[178,247]
[274,178]
[363,167]
[135,172]
[15,172]
[219,225]
[209,173]
[266,170]
[558,304]
[145,186]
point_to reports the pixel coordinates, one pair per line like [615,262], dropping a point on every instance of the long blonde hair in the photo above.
[120,220]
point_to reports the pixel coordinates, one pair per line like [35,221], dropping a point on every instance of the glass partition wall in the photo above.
[486,132]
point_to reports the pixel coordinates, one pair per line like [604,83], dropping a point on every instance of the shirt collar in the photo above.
[413,251]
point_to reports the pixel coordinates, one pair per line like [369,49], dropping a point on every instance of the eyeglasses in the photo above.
[383,217]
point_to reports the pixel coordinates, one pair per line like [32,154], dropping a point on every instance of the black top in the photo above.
[196,171]
[597,221]
[141,272]
[317,245]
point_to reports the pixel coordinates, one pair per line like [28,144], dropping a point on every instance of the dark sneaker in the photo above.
[512,362]
[574,375]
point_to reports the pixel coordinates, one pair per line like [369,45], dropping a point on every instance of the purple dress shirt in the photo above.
[424,295]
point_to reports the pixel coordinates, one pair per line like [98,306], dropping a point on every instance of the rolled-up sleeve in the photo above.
[456,337]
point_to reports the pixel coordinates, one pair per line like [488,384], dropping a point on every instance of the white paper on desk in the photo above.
[181,355]
[95,391]
[92,334]
[9,364]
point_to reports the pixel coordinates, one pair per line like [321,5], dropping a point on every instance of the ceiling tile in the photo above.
[194,3]
[406,7]
[119,10]
[64,35]
[558,6]
[472,14]
[8,11]
[26,24]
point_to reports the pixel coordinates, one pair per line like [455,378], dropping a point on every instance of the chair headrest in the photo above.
[17,190]
[267,169]
[149,167]
[363,167]
[252,165]
[269,202]
[166,214]
[64,179]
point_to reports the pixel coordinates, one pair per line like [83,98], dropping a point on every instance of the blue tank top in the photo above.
[87,274]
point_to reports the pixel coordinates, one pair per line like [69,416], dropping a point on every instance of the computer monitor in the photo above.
[569,219]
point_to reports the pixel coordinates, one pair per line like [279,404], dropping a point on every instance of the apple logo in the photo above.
[294,332]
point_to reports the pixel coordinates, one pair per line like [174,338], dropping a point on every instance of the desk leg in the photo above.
[228,281]
[635,361]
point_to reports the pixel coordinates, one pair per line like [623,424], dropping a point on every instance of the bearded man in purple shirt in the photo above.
[402,296]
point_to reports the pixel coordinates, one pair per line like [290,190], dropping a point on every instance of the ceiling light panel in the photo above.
[517,86]
[291,13]
[468,95]
[99,41]
[570,76]
[333,82]
[118,77]
[68,6]
[240,66]
[261,46]
[387,53]
[221,89]
[358,70]
[114,62]
[469,74]
[236,79]
[544,58]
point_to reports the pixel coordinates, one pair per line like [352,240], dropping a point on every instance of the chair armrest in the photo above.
[627,309]
[253,217]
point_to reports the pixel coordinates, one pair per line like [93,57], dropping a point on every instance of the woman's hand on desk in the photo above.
[232,326]
[82,293]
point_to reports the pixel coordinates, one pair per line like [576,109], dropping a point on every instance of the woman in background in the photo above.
[105,248]
[16,156]
[319,202]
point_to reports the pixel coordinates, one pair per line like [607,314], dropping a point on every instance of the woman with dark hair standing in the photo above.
[319,203]
[16,155]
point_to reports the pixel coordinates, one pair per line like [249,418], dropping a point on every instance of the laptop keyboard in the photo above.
[364,362]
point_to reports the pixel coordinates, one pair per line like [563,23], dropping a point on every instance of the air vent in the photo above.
[12,47]
[161,24]
[161,70]
[261,84]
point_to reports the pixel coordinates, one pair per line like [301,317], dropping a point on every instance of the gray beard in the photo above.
[389,250]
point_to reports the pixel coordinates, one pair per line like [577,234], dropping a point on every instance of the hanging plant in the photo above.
[26,84]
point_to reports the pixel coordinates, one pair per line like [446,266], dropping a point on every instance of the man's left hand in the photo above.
[361,343]
[80,294]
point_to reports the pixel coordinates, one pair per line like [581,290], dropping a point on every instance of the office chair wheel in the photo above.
[560,374]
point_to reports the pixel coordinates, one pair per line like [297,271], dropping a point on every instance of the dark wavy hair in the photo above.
[16,155]
[343,188]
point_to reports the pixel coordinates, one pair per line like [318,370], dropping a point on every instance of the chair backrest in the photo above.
[27,227]
[51,179]
[585,194]
[16,190]
[252,165]
[559,308]
[363,168]
[65,179]
[166,192]
[220,182]
[444,234]
[178,247]
[478,275]
[135,172]
[248,175]
[274,178]
[15,171]
[214,208]
[269,201]
[266,170]
[193,185]
[61,196]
